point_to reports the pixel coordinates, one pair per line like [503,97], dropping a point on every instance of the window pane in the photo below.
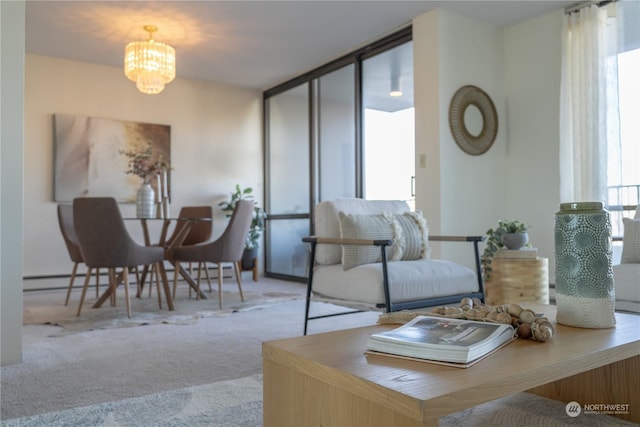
[389,154]
[288,151]
[389,137]
[629,97]
[287,253]
[337,134]
[627,191]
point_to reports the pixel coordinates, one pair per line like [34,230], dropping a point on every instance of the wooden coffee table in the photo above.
[326,379]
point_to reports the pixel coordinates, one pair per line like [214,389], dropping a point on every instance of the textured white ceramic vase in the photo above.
[145,202]
[584,275]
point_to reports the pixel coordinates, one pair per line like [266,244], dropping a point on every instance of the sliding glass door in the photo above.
[288,181]
[311,157]
[335,132]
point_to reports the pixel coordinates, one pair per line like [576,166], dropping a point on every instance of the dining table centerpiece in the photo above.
[145,165]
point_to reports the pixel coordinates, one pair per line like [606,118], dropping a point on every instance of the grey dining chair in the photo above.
[199,232]
[65,220]
[105,242]
[228,248]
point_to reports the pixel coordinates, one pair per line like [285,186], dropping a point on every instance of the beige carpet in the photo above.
[238,403]
[206,373]
[62,370]
[232,403]
[47,308]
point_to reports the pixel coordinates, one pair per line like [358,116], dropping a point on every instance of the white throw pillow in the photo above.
[370,227]
[631,241]
[408,231]
[413,236]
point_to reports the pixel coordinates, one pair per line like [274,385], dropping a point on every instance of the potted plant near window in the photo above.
[255,230]
[510,234]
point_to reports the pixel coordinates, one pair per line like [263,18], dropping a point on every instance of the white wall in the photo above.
[216,142]
[519,67]
[459,194]
[12,18]
[533,53]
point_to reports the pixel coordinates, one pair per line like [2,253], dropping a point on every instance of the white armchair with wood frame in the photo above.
[374,255]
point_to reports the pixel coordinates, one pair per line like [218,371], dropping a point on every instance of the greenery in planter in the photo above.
[257,223]
[494,242]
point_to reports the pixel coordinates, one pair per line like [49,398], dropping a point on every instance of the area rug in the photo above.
[238,403]
[48,308]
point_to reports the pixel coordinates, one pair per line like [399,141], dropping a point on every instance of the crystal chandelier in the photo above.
[149,63]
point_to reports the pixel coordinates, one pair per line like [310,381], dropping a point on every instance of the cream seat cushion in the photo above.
[411,280]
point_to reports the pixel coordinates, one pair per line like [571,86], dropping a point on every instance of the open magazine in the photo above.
[442,339]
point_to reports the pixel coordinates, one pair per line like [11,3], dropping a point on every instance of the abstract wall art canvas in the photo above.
[89,160]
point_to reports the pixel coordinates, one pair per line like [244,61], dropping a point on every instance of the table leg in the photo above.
[110,289]
[143,278]
[615,383]
[185,275]
[120,278]
[165,285]
[145,232]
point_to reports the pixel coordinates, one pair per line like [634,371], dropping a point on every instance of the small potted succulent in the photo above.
[256,228]
[510,234]
[515,235]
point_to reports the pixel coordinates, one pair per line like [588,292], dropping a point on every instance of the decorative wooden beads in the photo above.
[527,324]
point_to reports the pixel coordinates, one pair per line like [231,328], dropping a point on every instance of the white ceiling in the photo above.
[255,44]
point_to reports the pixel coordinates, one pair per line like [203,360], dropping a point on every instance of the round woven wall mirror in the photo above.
[473,120]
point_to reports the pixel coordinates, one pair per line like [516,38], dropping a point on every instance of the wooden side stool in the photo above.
[518,280]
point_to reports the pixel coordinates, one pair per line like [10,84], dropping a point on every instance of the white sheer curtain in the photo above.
[589,120]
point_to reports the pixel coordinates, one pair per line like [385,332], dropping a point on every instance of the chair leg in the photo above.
[206,273]
[236,267]
[153,268]
[125,272]
[151,273]
[220,274]
[178,270]
[191,274]
[87,279]
[71,280]
[198,281]
[312,262]
[175,278]
[139,285]
[156,268]
[113,284]
[97,283]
